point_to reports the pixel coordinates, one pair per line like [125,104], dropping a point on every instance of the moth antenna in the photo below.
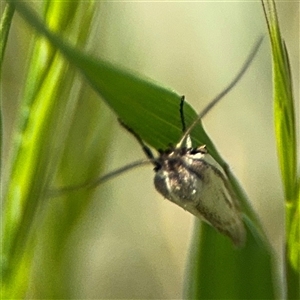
[92,184]
[239,75]
[182,99]
[188,140]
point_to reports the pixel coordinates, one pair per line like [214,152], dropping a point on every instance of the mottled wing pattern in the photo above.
[216,203]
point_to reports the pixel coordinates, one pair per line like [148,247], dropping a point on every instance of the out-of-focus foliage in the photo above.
[57,113]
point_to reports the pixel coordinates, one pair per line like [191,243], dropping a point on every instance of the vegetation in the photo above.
[58,108]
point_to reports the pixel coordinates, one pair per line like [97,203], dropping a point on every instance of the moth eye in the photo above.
[202,149]
[194,151]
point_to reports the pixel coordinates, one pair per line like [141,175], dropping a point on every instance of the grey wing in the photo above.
[216,204]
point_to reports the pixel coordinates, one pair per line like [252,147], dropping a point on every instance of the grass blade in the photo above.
[285,129]
[4,28]
[217,271]
[46,106]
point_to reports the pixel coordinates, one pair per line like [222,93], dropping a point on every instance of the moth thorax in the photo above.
[176,182]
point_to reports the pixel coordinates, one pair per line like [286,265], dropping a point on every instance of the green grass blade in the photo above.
[284,111]
[217,271]
[83,157]
[5,24]
[46,108]
[4,28]
[285,129]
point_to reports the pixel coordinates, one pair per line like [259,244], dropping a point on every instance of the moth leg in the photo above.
[182,113]
[145,148]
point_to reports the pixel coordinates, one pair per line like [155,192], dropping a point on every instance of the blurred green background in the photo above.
[132,243]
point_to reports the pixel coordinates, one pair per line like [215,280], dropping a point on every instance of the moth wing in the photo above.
[216,204]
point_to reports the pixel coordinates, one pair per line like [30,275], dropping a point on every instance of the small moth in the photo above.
[189,177]
[192,179]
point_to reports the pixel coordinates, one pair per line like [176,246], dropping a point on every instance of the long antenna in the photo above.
[240,74]
[104,178]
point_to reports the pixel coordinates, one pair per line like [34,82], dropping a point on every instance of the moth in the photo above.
[189,176]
